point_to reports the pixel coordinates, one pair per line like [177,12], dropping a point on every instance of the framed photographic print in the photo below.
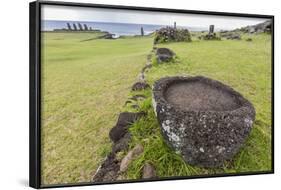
[132,94]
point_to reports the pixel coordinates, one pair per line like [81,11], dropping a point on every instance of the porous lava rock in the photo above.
[121,127]
[122,143]
[108,171]
[170,34]
[202,119]
[164,55]
[148,171]
[140,86]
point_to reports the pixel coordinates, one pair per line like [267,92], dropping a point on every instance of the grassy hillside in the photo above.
[85,85]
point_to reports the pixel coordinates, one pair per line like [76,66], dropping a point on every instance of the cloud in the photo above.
[55,12]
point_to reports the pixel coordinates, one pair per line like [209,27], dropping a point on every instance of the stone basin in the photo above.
[202,119]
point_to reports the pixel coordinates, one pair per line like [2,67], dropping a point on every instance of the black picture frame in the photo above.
[35,89]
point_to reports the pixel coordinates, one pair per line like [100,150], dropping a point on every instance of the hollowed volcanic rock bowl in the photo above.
[202,119]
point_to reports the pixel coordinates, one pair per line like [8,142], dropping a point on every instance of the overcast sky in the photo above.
[53,12]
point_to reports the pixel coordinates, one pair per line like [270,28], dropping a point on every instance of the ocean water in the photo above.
[118,29]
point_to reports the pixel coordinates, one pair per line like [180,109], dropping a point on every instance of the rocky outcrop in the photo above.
[258,28]
[202,119]
[170,34]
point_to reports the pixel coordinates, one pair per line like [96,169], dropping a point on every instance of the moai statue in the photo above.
[80,26]
[74,26]
[175,25]
[90,28]
[211,29]
[85,27]
[68,26]
[142,32]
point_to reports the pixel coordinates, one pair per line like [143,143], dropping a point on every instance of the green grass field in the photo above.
[86,83]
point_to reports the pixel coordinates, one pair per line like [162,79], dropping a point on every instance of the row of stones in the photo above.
[113,167]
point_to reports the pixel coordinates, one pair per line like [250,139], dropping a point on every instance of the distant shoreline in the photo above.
[118,29]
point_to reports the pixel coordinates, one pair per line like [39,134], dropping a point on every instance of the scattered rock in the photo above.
[148,171]
[231,36]
[210,36]
[128,102]
[140,86]
[264,27]
[121,128]
[138,97]
[120,177]
[149,56]
[170,34]
[135,106]
[141,77]
[164,55]
[127,118]
[146,67]
[234,37]
[122,144]
[206,121]
[132,154]
[118,132]
[108,171]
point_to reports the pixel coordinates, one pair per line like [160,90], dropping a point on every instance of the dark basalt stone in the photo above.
[122,143]
[138,97]
[164,55]
[202,119]
[121,127]
[108,171]
[140,86]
